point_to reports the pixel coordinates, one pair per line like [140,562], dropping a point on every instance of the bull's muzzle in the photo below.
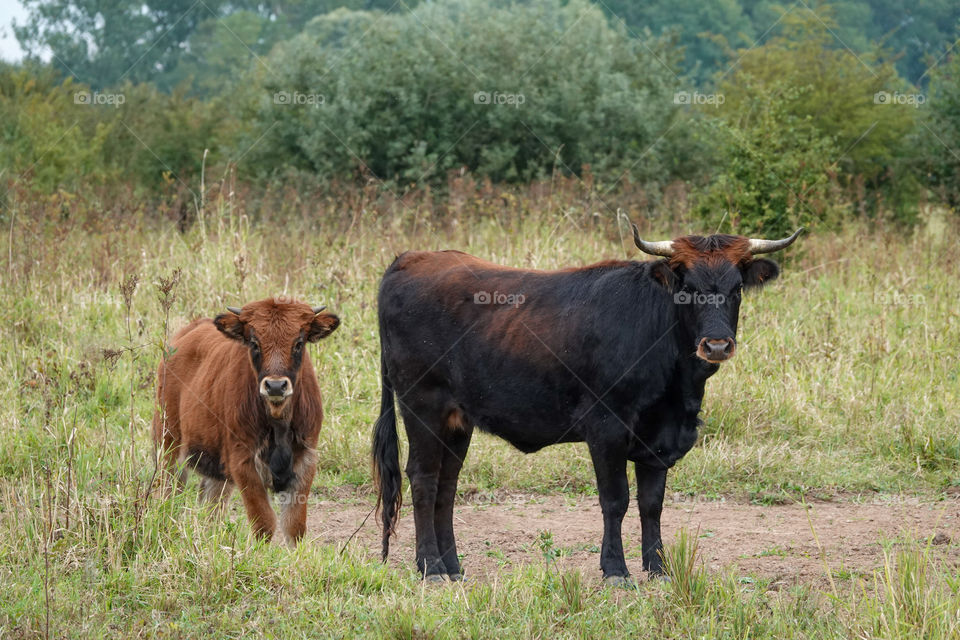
[716,350]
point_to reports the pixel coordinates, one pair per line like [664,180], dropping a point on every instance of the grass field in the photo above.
[845,385]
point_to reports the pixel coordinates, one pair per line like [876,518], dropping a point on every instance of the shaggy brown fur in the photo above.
[712,250]
[213,419]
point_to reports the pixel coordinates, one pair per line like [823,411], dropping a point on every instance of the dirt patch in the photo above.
[785,543]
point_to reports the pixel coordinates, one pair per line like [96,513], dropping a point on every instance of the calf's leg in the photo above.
[259,510]
[293,515]
[216,492]
[650,487]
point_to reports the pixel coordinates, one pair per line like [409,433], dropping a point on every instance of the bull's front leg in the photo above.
[650,487]
[244,473]
[610,465]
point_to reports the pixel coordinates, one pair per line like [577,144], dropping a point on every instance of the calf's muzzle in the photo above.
[276,389]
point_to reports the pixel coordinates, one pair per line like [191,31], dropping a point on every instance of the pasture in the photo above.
[843,403]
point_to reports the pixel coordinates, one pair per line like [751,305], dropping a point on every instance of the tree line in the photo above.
[832,110]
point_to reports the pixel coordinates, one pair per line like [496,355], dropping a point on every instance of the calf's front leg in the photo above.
[293,515]
[259,510]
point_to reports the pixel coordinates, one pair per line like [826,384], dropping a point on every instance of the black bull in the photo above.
[614,354]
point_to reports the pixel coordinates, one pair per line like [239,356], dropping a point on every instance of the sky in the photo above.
[9,49]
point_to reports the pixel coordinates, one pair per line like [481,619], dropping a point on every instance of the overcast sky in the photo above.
[10,9]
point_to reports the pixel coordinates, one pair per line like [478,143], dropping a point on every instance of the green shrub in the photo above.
[800,118]
[512,91]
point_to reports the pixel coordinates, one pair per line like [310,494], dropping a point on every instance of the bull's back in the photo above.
[509,347]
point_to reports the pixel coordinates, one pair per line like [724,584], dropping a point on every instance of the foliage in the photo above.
[798,118]
[915,34]
[47,138]
[940,134]
[64,135]
[104,44]
[508,90]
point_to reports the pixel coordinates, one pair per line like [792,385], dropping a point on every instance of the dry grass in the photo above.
[846,381]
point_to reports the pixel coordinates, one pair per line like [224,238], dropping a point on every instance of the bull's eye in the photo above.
[254,347]
[298,346]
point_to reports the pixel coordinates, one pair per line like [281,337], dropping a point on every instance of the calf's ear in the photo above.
[230,325]
[664,275]
[322,325]
[759,272]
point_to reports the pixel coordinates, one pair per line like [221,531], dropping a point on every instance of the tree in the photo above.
[799,114]
[105,43]
[941,131]
[511,91]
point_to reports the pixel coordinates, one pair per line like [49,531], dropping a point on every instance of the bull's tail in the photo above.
[386,461]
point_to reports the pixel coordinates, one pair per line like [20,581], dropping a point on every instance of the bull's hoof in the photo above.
[456,577]
[620,582]
[435,578]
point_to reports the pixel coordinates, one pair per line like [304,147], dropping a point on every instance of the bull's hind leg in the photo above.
[424,461]
[457,442]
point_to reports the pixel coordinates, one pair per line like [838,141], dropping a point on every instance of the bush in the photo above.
[800,117]
[941,132]
[510,91]
[61,135]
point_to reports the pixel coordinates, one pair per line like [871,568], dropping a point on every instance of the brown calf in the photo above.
[239,404]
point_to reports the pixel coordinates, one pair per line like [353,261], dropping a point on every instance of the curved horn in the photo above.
[319,309]
[663,248]
[769,246]
[235,310]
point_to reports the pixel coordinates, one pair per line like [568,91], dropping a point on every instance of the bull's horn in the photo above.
[235,310]
[319,309]
[769,246]
[663,248]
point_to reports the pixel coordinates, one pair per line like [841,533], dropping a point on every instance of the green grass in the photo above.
[846,381]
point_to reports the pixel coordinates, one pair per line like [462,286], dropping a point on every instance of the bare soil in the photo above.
[785,543]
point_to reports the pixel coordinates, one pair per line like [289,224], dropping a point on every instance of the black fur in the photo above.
[603,355]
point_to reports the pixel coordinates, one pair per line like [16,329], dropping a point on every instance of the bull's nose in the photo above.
[275,387]
[716,349]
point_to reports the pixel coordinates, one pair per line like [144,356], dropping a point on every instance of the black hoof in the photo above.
[621,582]
[456,577]
[435,578]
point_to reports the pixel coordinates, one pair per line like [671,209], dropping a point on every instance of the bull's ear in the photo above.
[230,325]
[664,275]
[322,325]
[759,272]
